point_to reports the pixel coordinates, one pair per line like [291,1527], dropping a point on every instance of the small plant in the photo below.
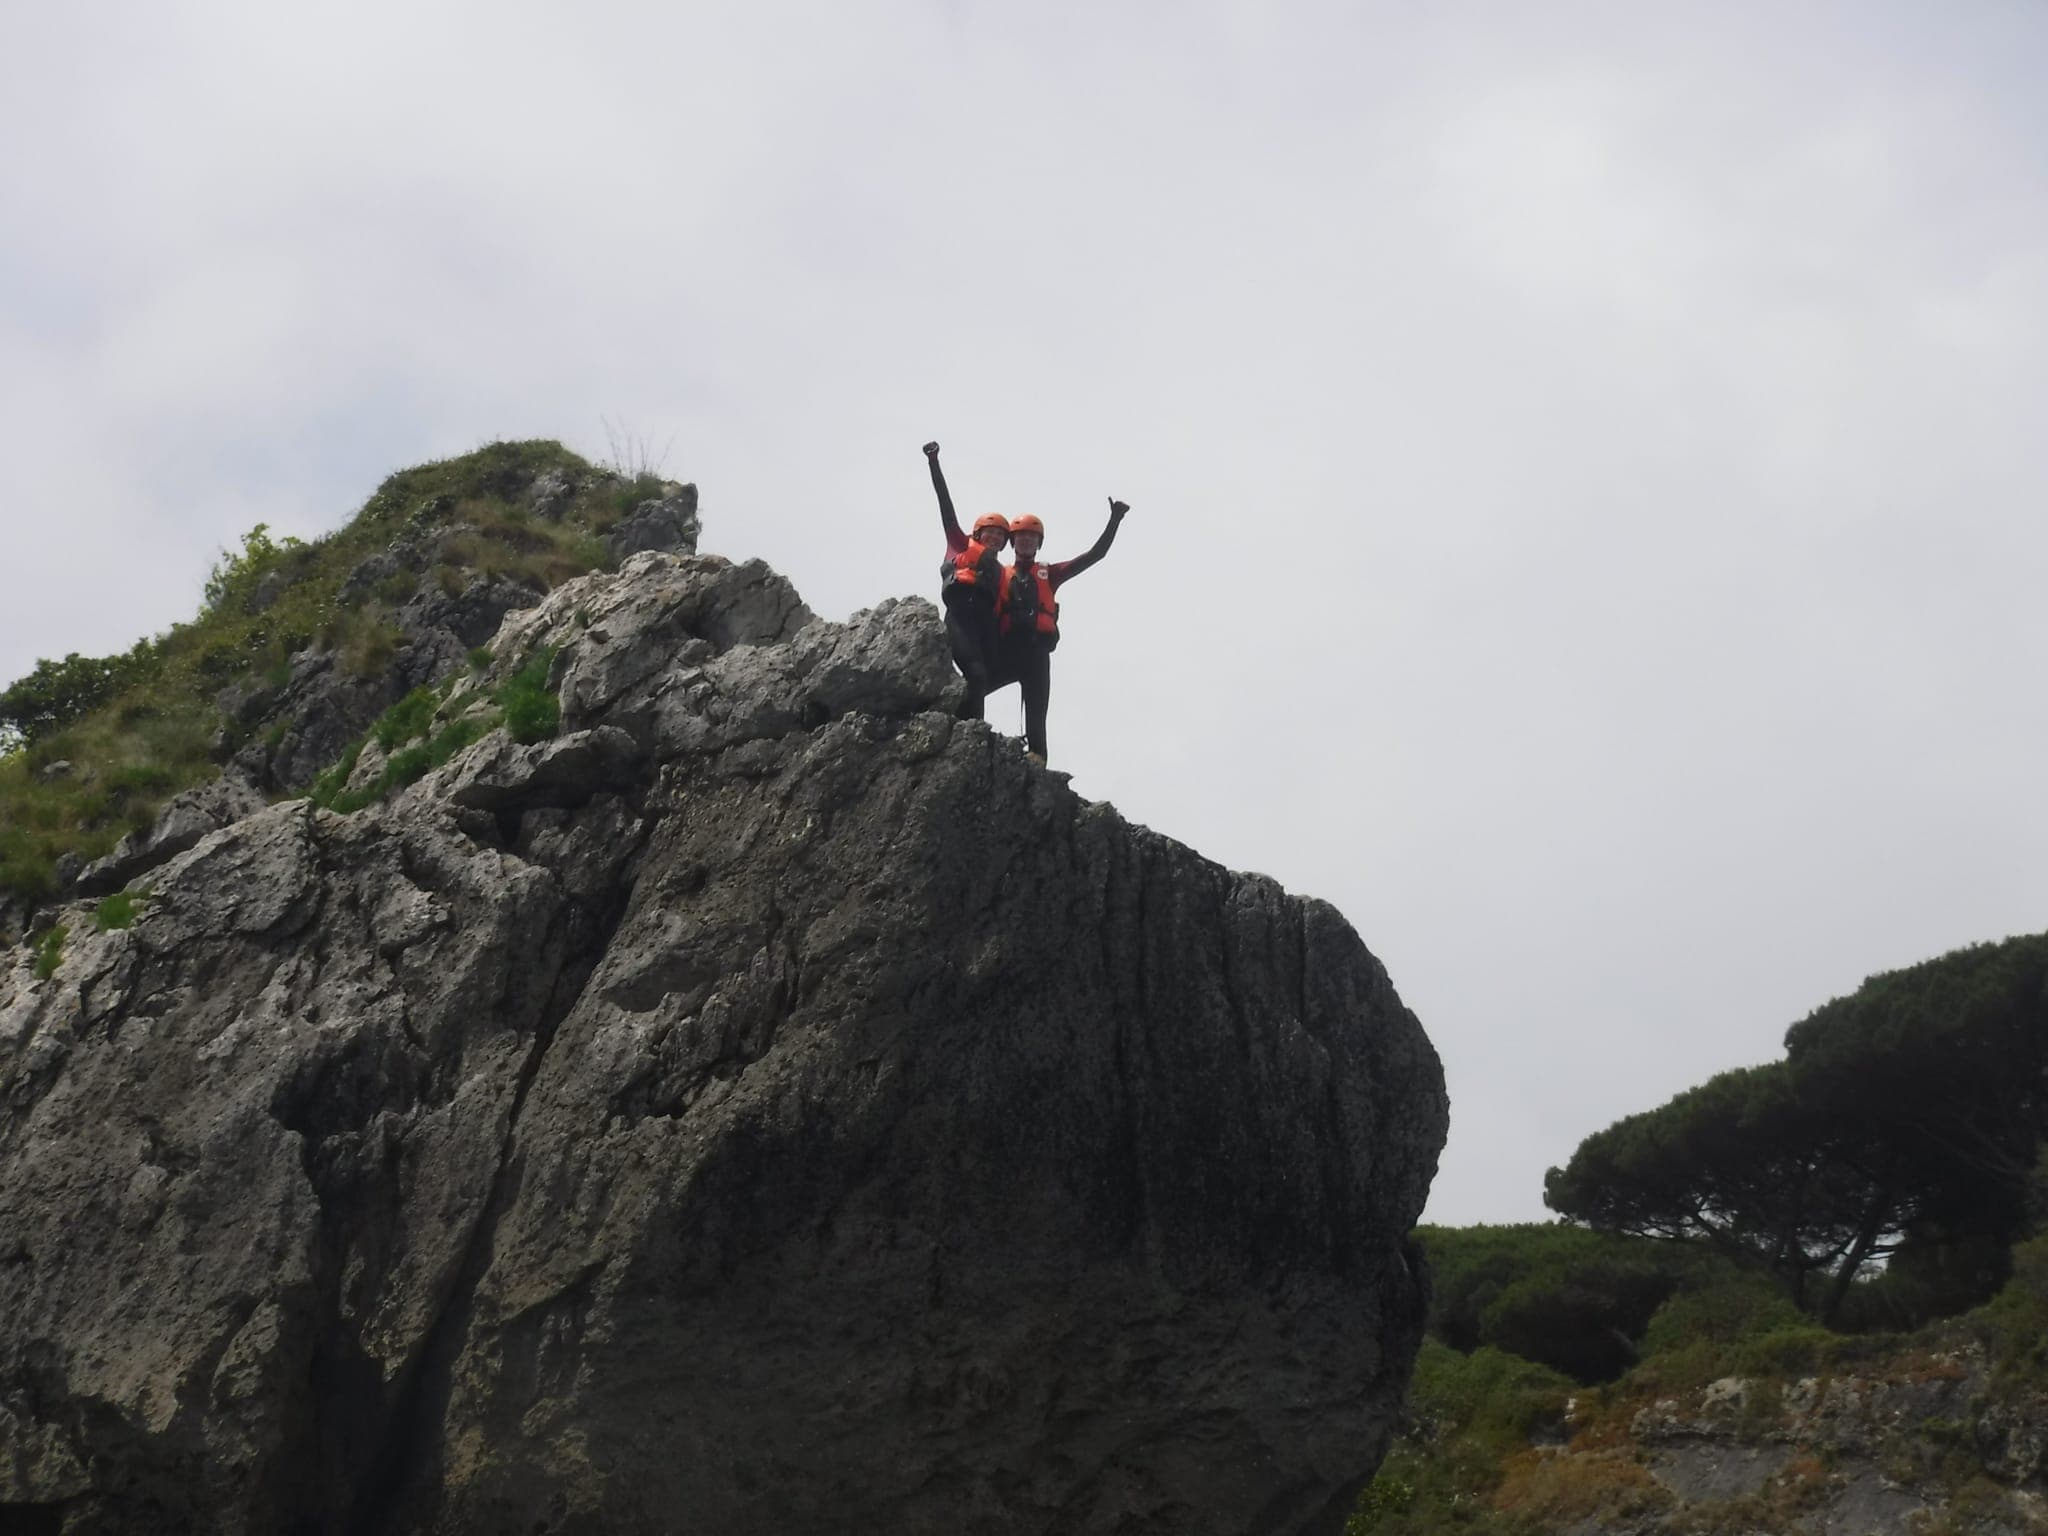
[480,658]
[328,787]
[234,577]
[532,713]
[50,952]
[632,456]
[411,717]
[415,763]
[118,910]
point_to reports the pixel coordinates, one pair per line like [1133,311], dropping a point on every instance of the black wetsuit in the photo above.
[1024,656]
[970,612]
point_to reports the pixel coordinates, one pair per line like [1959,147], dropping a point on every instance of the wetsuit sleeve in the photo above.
[955,539]
[1074,567]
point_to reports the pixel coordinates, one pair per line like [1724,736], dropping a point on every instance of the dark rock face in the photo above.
[712,1120]
[664,522]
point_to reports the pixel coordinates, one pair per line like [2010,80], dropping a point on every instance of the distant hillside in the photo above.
[1810,1295]
[299,646]
[1738,1416]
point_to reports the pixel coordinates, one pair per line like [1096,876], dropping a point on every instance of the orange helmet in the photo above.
[1028,524]
[991,520]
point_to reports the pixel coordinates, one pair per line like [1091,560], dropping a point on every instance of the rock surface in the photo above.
[1862,1452]
[711,1120]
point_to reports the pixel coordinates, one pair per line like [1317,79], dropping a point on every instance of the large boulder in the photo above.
[711,1120]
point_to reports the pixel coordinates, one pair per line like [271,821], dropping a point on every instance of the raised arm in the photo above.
[955,539]
[1074,567]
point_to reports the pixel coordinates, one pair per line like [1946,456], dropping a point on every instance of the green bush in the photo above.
[2014,1323]
[408,766]
[1739,1307]
[1571,1299]
[50,952]
[411,717]
[116,911]
[58,692]
[234,578]
[531,712]
[1468,1414]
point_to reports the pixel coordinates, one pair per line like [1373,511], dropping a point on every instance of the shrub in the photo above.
[532,713]
[58,692]
[411,717]
[2014,1323]
[1470,1413]
[234,578]
[329,785]
[50,952]
[1740,1307]
[408,766]
[117,911]
[1572,1299]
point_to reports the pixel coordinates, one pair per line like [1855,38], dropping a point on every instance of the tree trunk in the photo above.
[1866,1239]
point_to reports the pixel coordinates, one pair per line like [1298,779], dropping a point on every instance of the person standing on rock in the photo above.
[970,580]
[1027,616]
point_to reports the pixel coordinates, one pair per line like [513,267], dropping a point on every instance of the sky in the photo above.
[1586,460]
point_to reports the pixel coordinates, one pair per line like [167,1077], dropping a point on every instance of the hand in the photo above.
[931,450]
[1118,508]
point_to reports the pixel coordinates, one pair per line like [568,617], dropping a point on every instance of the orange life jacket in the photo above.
[1029,604]
[974,569]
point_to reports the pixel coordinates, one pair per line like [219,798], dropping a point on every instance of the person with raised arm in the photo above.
[1028,616]
[970,578]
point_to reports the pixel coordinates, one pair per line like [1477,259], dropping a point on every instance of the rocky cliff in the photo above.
[764,1105]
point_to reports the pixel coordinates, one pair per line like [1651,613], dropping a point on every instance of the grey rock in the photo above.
[667,522]
[709,1120]
[183,821]
[470,617]
[550,494]
[1866,1504]
[412,553]
[891,659]
[1703,1470]
[50,773]
[500,774]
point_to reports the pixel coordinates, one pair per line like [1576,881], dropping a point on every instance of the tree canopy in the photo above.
[1908,1112]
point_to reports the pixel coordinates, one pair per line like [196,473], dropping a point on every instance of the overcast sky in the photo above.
[1587,461]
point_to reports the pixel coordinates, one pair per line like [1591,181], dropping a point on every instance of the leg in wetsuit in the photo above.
[1024,660]
[971,631]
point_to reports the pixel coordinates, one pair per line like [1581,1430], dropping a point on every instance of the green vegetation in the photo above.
[139,727]
[1905,1120]
[1870,1204]
[532,713]
[412,764]
[50,951]
[1575,1301]
[409,718]
[1469,1415]
[523,705]
[118,910]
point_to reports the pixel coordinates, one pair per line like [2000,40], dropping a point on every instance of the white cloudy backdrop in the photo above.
[1587,460]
